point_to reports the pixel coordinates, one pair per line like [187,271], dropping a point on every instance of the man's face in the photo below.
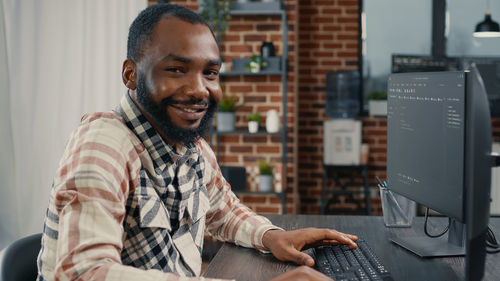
[177,79]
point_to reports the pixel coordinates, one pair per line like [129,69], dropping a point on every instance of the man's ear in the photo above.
[129,74]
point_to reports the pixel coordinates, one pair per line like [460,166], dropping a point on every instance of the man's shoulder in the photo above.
[106,127]
[107,117]
[105,122]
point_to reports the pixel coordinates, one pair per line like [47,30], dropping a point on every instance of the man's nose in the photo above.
[197,87]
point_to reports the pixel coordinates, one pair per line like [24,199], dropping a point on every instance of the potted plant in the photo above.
[253,122]
[216,13]
[255,64]
[377,103]
[225,115]
[265,176]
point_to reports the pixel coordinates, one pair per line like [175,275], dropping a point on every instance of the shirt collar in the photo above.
[161,152]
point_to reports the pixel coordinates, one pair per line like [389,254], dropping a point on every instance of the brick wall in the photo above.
[260,94]
[328,41]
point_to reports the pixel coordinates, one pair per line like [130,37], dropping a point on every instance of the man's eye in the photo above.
[173,69]
[212,73]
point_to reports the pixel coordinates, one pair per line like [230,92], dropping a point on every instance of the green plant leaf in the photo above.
[264,167]
[254,117]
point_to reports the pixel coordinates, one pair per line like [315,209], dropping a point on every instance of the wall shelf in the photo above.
[266,9]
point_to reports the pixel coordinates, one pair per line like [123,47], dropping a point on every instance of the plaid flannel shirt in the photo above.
[125,205]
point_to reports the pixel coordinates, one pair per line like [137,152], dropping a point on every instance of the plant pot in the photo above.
[266,183]
[225,121]
[377,107]
[253,126]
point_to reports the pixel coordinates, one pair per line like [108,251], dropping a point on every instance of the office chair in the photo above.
[19,259]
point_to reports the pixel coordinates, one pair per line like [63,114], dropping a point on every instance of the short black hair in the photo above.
[141,29]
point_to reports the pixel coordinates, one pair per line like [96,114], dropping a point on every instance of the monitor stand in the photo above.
[426,247]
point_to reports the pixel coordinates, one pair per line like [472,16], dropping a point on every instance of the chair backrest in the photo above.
[19,259]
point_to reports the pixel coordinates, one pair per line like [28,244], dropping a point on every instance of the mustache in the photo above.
[190,101]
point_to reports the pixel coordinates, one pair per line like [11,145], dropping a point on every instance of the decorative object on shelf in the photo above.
[265,176]
[255,64]
[272,121]
[267,50]
[216,13]
[253,122]
[488,28]
[271,64]
[377,103]
[225,115]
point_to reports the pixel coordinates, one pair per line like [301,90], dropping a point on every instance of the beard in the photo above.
[158,111]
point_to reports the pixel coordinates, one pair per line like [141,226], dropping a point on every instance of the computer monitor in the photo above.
[438,154]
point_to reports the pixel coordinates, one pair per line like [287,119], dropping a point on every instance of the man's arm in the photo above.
[229,220]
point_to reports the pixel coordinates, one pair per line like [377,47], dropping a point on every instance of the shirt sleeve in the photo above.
[228,219]
[98,170]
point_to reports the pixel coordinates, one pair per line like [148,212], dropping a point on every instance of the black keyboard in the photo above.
[343,264]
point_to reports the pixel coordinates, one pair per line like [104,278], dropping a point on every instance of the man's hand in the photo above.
[302,273]
[287,245]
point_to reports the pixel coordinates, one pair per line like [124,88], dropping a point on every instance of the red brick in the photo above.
[255,99]
[332,11]
[253,199]
[240,88]
[268,149]
[347,37]
[268,210]
[254,37]
[227,158]
[240,27]
[232,38]
[240,48]
[230,138]
[347,54]
[268,27]
[343,3]
[268,88]
[240,149]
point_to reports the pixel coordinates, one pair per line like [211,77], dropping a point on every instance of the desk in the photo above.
[242,264]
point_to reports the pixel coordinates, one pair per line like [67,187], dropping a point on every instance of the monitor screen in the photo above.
[425,142]
[439,141]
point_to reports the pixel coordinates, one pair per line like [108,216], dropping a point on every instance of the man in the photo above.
[137,187]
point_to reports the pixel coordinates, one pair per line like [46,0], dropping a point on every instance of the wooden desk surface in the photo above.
[242,264]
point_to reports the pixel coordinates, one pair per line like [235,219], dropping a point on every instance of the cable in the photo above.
[492,246]
[491,242]
[425,226]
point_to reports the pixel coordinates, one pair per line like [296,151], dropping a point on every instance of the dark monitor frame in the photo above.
[476,184]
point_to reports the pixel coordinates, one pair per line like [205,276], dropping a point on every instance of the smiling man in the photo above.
[137,187]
